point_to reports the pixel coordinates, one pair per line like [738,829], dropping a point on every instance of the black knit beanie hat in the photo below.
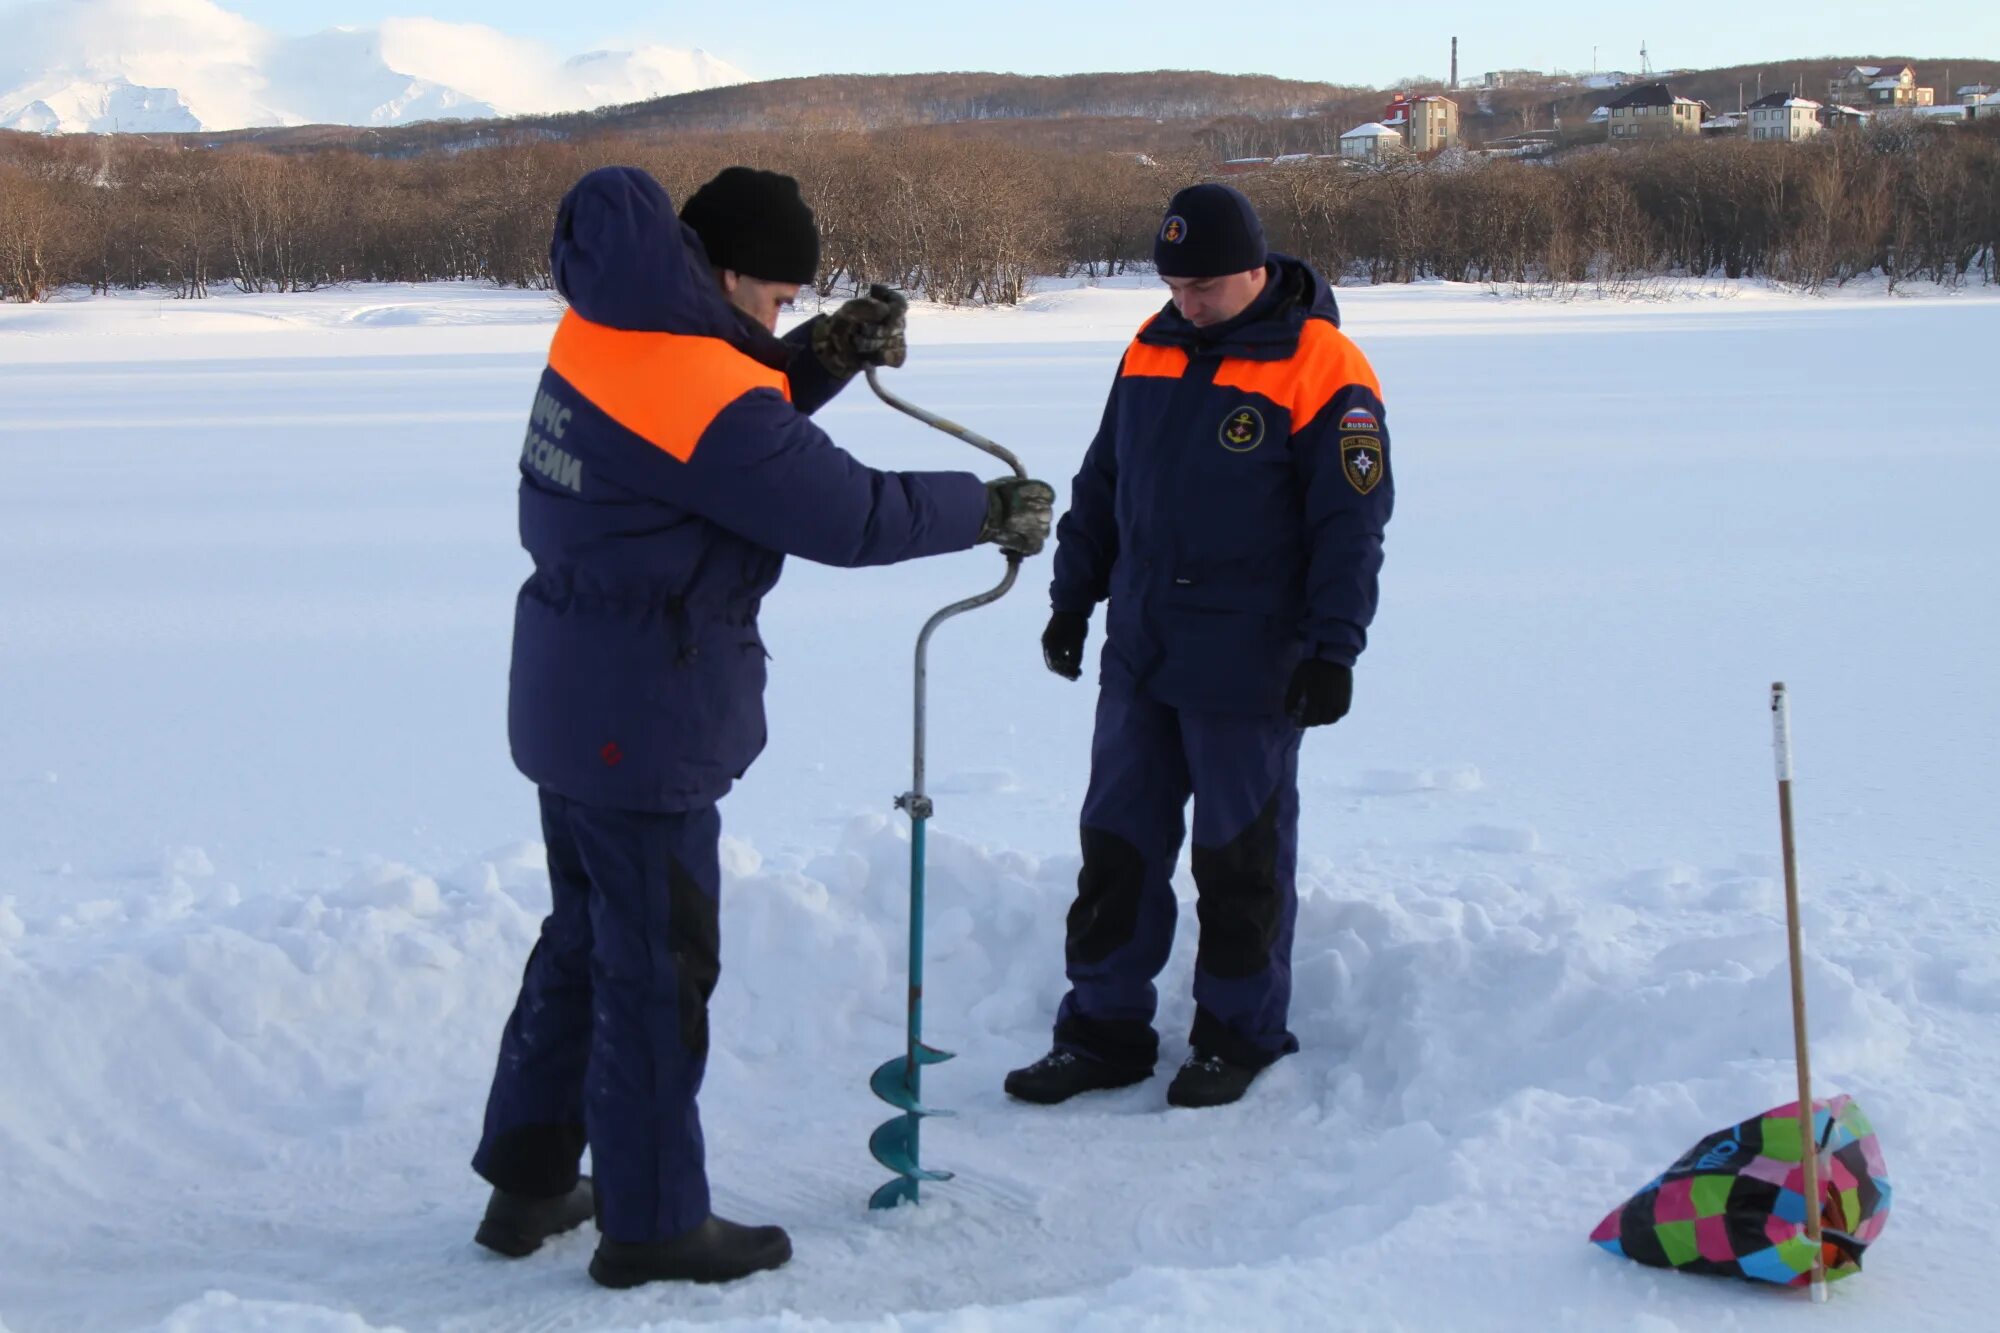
[755,223]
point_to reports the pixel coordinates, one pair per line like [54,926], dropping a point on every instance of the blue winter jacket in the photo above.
[1231,507]
[669,468]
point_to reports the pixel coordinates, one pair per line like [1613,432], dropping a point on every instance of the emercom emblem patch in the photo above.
[1361,460]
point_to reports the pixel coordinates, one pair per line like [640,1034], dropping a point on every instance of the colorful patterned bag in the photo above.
[1734,1204]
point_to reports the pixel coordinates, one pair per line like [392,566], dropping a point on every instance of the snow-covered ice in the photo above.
[267,877]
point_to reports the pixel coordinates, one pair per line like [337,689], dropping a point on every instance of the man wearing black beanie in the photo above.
[763,244]
[1231,512]
[670,466]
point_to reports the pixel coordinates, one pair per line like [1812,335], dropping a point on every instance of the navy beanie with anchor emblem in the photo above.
[1209,231]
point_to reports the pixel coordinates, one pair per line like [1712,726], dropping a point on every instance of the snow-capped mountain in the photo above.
[156,66]
[60,102]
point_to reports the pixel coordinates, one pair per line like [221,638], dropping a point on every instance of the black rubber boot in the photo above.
[1209,1080]
[1061,1075]
[516,1225]
[716,1251]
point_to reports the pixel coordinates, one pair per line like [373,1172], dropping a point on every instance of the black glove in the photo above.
[1319,693]
[1018,514]
[1062,644]
[866,331]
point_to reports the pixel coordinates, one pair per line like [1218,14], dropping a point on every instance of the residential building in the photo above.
[1654,111]
[1988,108]
[1515,78]
[1784,118]
[1427,124]
[1879,87]
[1728,123]
[1373,142]
[1843,118]
[1851,85]
[1972,94]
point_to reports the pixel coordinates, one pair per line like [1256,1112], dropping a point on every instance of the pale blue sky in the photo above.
[1310,39]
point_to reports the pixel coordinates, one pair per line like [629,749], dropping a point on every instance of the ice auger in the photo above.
[899,1081]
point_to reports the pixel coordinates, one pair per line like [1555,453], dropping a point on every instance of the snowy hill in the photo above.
[167,66]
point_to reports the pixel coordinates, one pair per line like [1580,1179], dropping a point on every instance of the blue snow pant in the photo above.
[609,1039]
[1146,759]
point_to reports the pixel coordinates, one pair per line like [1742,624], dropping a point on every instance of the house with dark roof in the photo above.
[1783,118]
[1654,111]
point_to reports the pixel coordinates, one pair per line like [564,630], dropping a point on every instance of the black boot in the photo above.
[516,1225]
[716,1251]
[1209,1080]
[1061,1075]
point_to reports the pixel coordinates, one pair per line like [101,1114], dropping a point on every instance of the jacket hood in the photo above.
[1300,294]
[622,258]
[1315,293]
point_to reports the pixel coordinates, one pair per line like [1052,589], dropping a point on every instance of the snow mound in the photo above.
[222,1312]
[1460,1036]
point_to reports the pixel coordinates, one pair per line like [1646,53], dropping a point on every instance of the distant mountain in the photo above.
[66,102]
[186,66]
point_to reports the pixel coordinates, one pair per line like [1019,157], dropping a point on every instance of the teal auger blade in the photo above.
[894,1194]
[931,1055]
[891,1084]
[891,1145]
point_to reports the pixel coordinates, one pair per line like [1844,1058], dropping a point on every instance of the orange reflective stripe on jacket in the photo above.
[1326,362]
[1154,362]
[666,388]
[1303,384]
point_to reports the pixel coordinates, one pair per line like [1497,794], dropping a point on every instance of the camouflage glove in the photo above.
[866,331]
[1018,514]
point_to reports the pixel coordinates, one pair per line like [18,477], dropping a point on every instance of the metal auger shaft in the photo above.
[899,1081]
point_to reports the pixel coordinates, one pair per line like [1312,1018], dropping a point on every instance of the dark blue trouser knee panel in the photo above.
[609,1039]
[1146,760]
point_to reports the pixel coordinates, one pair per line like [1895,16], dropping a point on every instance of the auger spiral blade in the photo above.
[891,1082]
[894,1194]
[894,1144]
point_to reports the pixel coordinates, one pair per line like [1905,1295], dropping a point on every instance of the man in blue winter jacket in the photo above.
[669,467]
[1231,511]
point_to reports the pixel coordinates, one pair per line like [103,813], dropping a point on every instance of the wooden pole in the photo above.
[1781,735]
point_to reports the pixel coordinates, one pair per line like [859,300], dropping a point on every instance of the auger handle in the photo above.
[945,424]
[918,802]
